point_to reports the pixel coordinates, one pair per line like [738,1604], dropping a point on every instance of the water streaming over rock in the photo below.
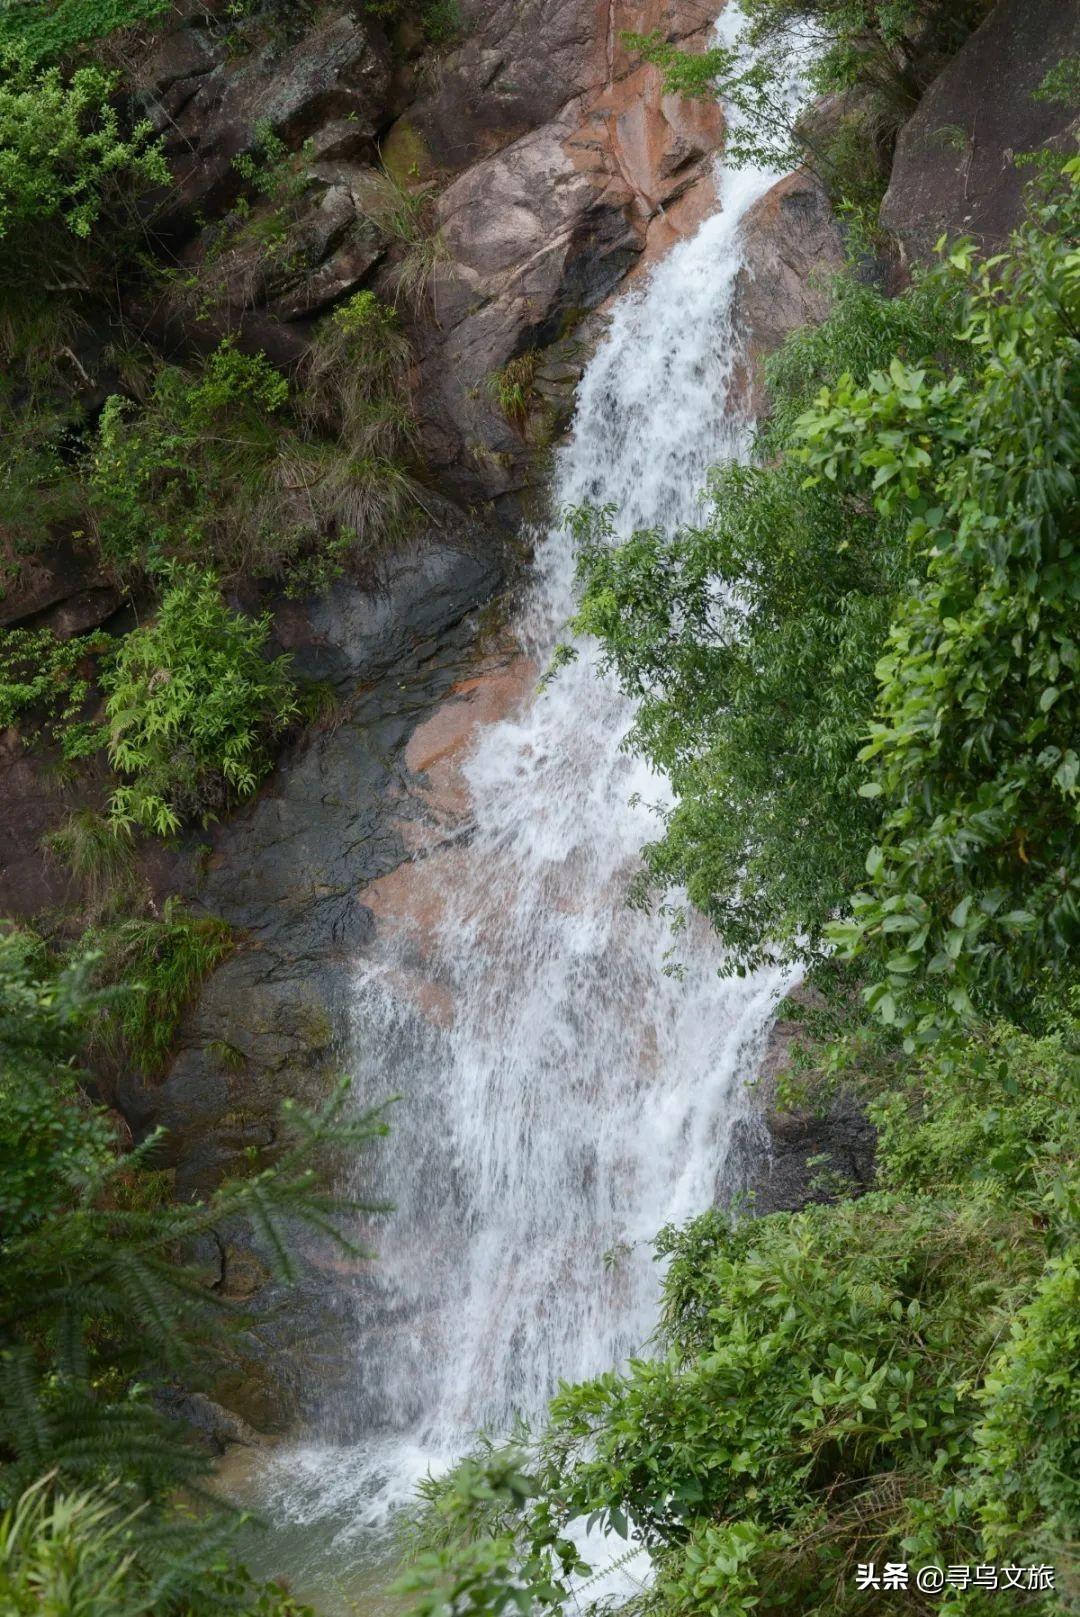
[579,1097]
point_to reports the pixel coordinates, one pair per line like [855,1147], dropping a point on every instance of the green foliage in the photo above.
[46,686]
[44,31]
[193,705]
[512,388]
[161,963]
[891,48]
[1026,1484]
[974,891]
[75,1554]
[1062,83]
[152,467]
[441,21]
[266,166]
[750,646]
[63,159]
[40,377]
[299,479]
[919,586]
[98,1307]
[479,1561]
[887,1378]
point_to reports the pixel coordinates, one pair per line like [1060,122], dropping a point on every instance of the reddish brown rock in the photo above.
[544,227]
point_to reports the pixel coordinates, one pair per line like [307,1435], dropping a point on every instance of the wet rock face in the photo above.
[289,871]
[954,169]
[784,1160]
[793,245]
[555,160]
[296,873]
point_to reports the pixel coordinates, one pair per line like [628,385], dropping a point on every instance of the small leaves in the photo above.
[192,704]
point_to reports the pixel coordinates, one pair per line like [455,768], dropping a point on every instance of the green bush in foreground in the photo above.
[73,1554]
[891,1378]
[192,705]
[901,566]
[974,890]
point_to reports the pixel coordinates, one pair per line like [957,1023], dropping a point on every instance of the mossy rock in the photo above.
[405,154]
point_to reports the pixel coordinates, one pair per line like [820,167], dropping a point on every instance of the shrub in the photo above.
[355,378]
[193,705]
[359,436]
[974,892]
[63,160]
[299,479]
[152,468]
[879,56]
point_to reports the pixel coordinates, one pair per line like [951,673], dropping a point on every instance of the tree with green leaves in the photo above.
[974,891]
[868,655]
[749,645]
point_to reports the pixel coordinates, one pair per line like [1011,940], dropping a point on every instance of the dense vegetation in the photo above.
[861,674]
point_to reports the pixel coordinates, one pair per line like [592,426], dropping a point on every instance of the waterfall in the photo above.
[579,1096]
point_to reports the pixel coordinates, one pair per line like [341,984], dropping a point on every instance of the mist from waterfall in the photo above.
[579,1096]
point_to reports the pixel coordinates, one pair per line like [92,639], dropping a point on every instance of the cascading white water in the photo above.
[580,1097]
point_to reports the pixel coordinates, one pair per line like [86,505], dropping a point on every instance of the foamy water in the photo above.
[581,1097]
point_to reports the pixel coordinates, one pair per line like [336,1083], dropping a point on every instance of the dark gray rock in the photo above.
[954,170]
[287,870]
[347,634]
[784,1160]
[210,92]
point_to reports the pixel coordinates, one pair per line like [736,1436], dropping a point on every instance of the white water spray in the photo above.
[580,1098]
